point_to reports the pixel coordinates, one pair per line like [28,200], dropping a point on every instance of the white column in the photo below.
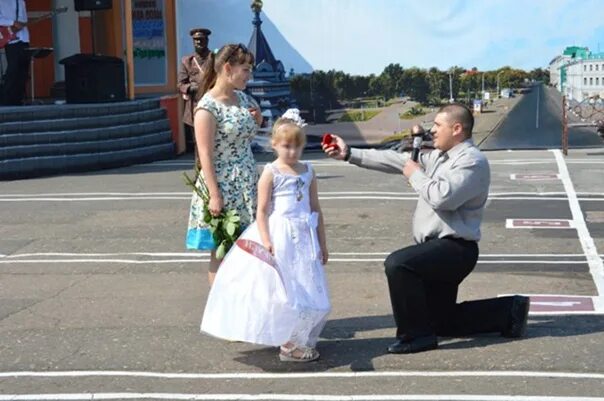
[65,35]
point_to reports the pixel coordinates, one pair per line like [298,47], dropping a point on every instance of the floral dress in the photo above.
[234,165]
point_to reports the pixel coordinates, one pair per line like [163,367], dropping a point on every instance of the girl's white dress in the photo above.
[263,300]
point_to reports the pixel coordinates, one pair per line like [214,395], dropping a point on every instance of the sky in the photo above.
[361,37]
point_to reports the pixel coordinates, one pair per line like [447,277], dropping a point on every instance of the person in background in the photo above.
[190,78]
[13,14]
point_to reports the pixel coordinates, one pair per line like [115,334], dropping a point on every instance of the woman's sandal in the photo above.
[308,354]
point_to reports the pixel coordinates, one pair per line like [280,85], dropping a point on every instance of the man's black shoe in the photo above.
[419,344]
[518,316]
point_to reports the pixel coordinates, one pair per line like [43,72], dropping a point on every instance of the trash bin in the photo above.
[91,78]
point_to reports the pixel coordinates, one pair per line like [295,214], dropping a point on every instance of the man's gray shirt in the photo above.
[452,188]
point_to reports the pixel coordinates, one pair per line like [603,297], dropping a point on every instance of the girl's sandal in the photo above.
[308,354]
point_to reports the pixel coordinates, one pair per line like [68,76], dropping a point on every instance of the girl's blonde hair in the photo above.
[287,130]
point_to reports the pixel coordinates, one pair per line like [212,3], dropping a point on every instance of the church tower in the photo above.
[269,85]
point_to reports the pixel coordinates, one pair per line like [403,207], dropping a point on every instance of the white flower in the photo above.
[294,115]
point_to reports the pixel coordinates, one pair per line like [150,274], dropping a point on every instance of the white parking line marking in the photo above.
[534,177]
[344,197]
[125,261]
[324,195]
[6,261]
[287,397]
[202,254]
[396,193]
[596,266]
[308,375]
[185,254]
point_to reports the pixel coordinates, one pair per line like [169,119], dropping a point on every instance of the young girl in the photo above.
[271,287]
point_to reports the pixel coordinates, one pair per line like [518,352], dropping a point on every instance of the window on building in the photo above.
[584,67]
[584,81]
[597,81]
[591,81]
[591,67]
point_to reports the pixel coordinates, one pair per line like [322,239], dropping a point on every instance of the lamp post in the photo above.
[498,74]
[451,100]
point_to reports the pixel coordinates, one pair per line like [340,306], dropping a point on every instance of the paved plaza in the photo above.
[99,300]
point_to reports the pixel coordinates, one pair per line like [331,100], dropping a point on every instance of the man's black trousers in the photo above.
[423,280]
[17,71]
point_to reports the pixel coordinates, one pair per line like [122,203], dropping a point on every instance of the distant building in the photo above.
[269,85]
[578,73]
[570,54]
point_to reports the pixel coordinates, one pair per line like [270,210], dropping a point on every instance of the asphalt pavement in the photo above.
[99,299]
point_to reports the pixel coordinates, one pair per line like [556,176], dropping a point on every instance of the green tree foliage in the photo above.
[322,90]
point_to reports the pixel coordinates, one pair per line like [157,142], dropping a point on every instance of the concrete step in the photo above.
[86,134]
[48,165]
[63,124]
[48,112]
[72,148]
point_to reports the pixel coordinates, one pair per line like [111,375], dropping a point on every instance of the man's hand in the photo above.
[193,88]
[410,168]
[417,129]
[17,26]
[336,152]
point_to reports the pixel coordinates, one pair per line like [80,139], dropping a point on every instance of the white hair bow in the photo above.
[294,115]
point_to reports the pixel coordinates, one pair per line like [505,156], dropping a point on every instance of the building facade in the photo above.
[578,73]
[584,78]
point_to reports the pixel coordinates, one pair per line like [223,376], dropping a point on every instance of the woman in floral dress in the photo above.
[225,120]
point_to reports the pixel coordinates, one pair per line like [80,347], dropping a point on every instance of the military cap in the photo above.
[199,32]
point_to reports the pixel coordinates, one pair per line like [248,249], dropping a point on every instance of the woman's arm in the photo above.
[316,207]
[205,131]
[265,195]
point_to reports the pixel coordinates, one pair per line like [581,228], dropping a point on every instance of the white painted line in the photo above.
[206,254]
[188,198]
[96,193]
[397,193]
[524,163]
[6,261]
[114,198]
[349,195]
[534,177]
[126,261]
[320,197]
[596,266]
[539,223]
[185,254]
[307,375]
[287,397]
[488,255]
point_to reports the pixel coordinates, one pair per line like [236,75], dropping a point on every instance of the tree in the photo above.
[416,84]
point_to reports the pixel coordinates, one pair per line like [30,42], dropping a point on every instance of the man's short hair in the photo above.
[458,113]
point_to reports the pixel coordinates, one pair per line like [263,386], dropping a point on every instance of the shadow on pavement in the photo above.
[339,348]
